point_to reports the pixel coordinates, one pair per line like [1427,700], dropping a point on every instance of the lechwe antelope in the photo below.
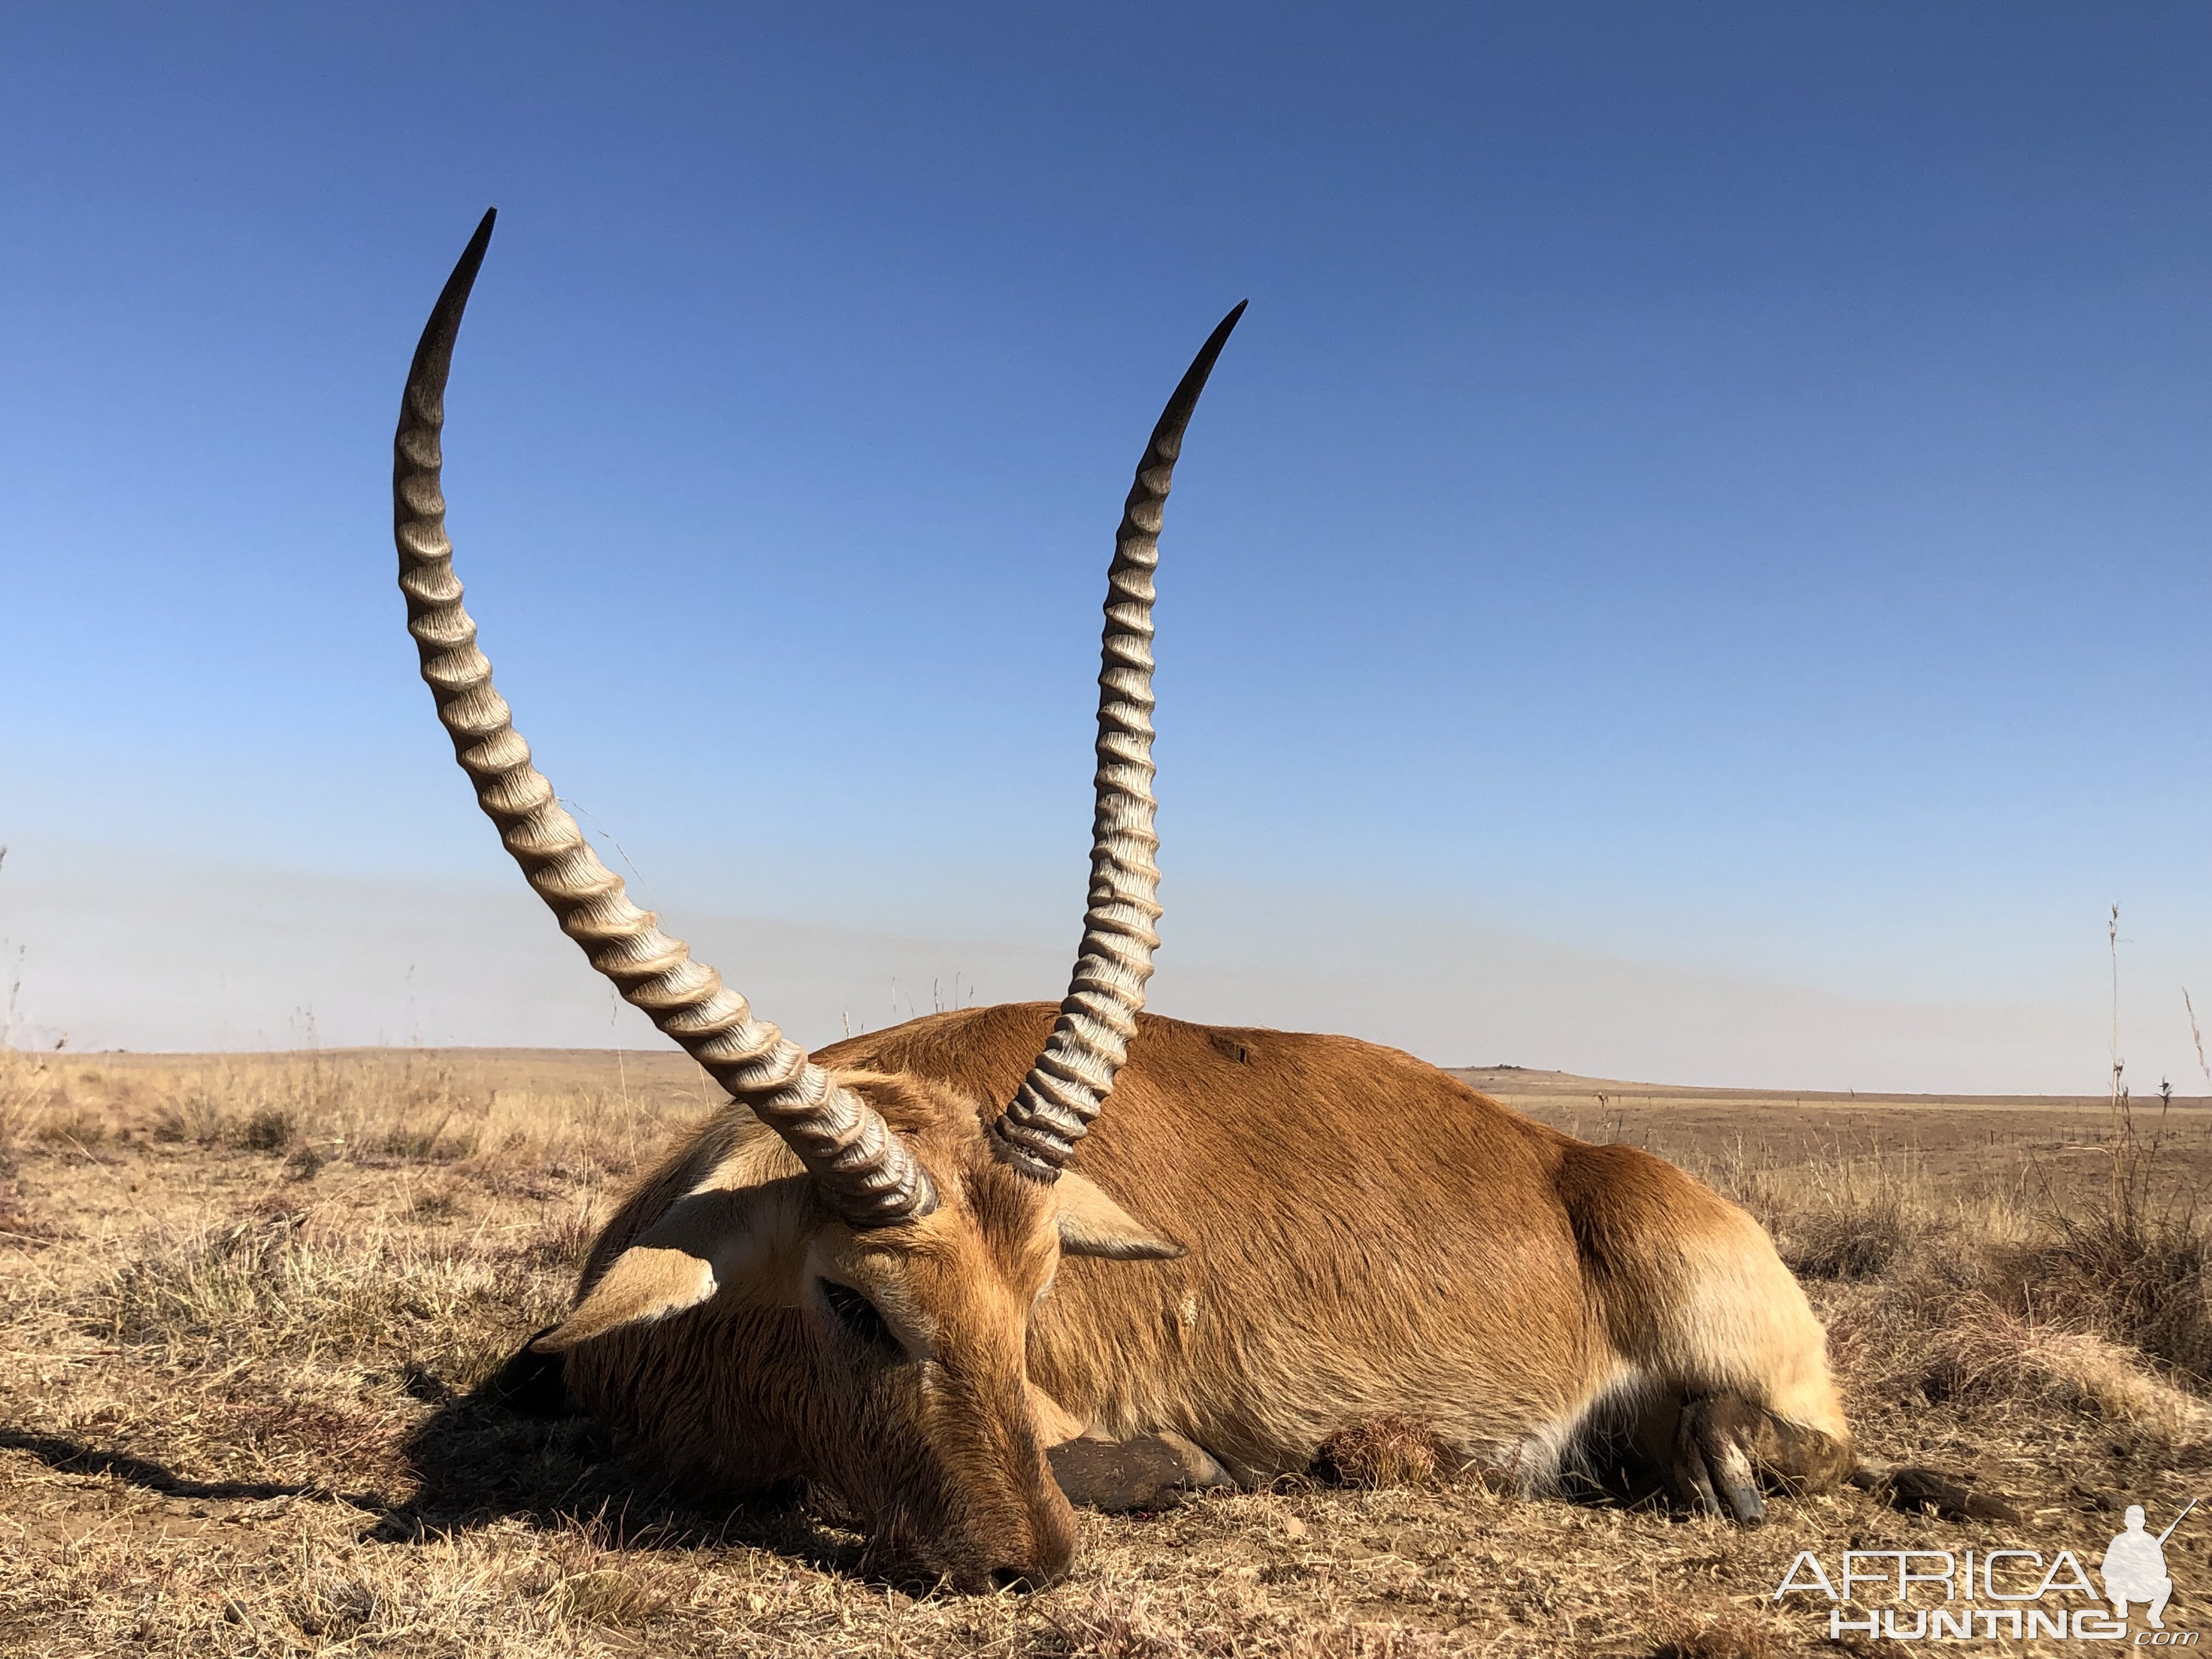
[883,1271]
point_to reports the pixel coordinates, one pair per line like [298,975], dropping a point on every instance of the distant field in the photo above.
[243,1300]
[1961,1145]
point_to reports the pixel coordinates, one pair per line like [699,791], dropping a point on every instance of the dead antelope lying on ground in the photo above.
[881,1271]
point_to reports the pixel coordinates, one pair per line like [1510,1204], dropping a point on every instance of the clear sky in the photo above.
[1694,566]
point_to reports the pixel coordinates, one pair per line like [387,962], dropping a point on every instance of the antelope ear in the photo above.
[700,1243]
[1091,1223]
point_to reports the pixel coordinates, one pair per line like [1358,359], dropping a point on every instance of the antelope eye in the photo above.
[859,1318]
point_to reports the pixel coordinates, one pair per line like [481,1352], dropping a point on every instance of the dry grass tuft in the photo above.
[1690,1633]
[2140,1281]
[592,1581]
[27,1088]
[72,1126]
[1965,1347]
[1842,1242]
[1833,1218]
[1114,1622]
[385,1108]
[1383,1451]
[266,1129]
[1119,1621]
[272,1284]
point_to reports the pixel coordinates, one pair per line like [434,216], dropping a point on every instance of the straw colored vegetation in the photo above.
[244,1302]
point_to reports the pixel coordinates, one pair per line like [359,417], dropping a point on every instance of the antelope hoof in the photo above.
[1152,1472]
[1713,1465]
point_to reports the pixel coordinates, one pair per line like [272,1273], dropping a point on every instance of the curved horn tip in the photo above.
[480,239]
[456,291]
[1184,402]
[446,316]
[1219,338]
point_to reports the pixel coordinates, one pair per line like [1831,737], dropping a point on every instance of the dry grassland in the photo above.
[244,1300]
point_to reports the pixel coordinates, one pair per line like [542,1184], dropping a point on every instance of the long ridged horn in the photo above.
[865,1172]
[1054,1108]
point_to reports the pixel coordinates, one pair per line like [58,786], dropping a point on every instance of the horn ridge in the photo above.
[1056,1102]
[864,1171]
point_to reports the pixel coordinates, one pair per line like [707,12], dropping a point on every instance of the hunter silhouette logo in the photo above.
[1942,1595]
[2134,1567]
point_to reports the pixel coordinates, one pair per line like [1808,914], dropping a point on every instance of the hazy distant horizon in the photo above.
[180,956]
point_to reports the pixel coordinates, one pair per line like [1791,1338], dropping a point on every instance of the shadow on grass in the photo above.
[477,1459]
[73,1457]
[489,1455]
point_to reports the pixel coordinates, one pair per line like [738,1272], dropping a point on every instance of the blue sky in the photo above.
[1713,494]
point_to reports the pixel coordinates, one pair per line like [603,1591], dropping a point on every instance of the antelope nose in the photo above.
[1048,1564]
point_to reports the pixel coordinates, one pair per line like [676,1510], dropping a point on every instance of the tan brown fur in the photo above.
[1364,1237]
